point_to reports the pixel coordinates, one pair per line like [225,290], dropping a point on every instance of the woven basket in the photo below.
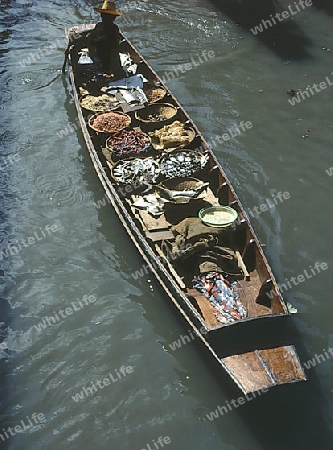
[104,105]
[131,151]
[181,184]
[154,93]
[179,168]
[126,122]
[131,176]
[162,114]
[173,143]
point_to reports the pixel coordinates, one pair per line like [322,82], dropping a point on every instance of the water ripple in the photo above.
[61,189]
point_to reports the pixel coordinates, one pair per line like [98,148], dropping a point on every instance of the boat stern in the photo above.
[263,369]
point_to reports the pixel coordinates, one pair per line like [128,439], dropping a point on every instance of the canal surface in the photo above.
[76,253]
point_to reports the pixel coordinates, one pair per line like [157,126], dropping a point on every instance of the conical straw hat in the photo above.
[108,8]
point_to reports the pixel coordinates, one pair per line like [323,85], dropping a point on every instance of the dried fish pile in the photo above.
[109,122]
[172,136]
[136,171]
[183,163]
[103,102]
[183,194]
[128,143]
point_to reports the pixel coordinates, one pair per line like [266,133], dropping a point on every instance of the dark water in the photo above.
[47,180]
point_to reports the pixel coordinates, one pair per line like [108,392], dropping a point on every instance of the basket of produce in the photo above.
[97,103]
[154,93]
[218,216]
[173,136]
[128,144]
[136,171]
[182,163]
[182,190]
[109,122]
[156,115]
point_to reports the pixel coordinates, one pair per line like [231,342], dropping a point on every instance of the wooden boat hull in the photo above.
[255,369]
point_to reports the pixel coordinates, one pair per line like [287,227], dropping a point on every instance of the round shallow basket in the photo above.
[154,93]
[136,171]
[99,103]
[109,122]
[182,163]
[172,137]
[128,144]
[218,216]
[156,115]
[176,190]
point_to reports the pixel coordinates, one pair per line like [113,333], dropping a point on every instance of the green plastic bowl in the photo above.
[218,216]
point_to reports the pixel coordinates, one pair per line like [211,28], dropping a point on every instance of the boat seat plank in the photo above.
[163,235]
[281,359]
[249,371]
[261,369]
[205,308]
[154,223]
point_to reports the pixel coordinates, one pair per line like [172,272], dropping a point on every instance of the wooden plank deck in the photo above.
[206,309]
[251,289]
[153,223]
[262,369]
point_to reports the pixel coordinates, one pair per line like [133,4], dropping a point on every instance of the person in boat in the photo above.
[102,43]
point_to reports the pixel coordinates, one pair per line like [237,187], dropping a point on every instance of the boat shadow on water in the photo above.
[324,5]
[287,416]
[284,38]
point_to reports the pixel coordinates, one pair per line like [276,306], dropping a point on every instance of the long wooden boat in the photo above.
[255,362]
